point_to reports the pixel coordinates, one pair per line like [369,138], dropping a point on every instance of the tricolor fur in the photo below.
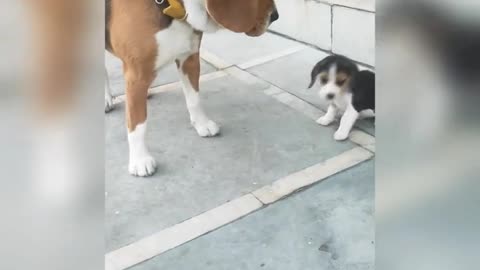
[345,88]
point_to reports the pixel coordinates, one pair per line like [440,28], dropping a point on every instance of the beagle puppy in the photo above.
[346,89]
[145,39]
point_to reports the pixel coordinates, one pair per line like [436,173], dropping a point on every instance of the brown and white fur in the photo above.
[146,40]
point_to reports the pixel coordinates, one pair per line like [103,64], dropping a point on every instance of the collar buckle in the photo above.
[175,9]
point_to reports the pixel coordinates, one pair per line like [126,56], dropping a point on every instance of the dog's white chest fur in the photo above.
[174,41]
[198,16]
[177,40]
[343,101]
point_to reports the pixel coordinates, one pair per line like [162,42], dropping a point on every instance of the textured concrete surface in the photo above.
[298,66]
[166,75]
[262,140]
[329,226]
[237,49]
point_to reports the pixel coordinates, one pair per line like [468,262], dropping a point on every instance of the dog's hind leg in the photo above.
[108,94]
[189,70]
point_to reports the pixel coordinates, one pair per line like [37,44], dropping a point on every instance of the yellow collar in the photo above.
[175,9]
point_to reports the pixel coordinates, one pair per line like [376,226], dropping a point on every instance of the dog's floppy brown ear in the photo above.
[235,15]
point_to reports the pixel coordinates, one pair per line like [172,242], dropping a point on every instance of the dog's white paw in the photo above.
[340,135]
[206,128]
[324,121]
[143,166]
[108,103]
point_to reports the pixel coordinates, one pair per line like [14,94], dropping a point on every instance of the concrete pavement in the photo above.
[255,88]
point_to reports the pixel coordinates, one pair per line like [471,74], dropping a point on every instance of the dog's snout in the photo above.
[330,96]
[274,16]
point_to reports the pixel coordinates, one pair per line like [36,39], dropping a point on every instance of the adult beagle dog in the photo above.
[145,39]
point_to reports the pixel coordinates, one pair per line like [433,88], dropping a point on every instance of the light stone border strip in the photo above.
[363,139]
[298,104]
[214,59]
[211,220]
[221,64]
[195,227]
[271,57]
[175,85]
[356,136]
[294,182]
[181,233]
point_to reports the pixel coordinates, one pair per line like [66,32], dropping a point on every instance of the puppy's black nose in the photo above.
[330,96]
[274,15]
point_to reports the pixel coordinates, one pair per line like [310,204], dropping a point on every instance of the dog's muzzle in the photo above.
[274,16]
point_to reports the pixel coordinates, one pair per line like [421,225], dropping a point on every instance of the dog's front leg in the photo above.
[138,80]
[346,123]
[189,70]
[329,117]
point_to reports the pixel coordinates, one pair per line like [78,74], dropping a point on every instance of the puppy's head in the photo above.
[334,75]
[243,16]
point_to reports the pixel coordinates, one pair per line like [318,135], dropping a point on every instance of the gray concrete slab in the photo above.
[235,48]
[328,226]
[298,67]
[262,140]
[166,75]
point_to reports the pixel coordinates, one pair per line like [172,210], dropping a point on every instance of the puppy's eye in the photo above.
[324,80]
[341,82]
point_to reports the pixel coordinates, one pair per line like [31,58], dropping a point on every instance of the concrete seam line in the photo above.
[357,136]
[181,233]
[175,85]
[355,8]
[229,212]
[284,187]
[313,46]
[363,139]
[214,59]
[271,57]
[244,76]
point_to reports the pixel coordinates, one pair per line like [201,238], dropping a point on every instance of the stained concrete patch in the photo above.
[298,66]
[237,48]
[166,75]
[262,140]
[329,226]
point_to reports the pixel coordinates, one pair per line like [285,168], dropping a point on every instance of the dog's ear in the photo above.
[313,76]
[235,15]
[316,70]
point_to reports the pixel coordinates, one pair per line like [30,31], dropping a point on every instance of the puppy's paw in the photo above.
[108,103]
[142,166]
[340,135]
[206,128]
[324,121]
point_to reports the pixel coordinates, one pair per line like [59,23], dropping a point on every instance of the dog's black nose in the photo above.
[330,96]
[274,15]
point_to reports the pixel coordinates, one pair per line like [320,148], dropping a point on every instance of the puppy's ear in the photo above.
[235,15]
[312,82]
[316,70]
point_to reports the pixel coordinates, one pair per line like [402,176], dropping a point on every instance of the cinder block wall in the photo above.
[340,26]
